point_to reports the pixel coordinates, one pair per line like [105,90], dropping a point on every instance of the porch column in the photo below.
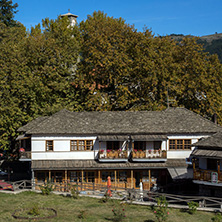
[66,176]
[194,173]
[149,173]
[218,169]
[132,145]
[115,178]
[132,179]
[50,176]
[99,176]
[82,176]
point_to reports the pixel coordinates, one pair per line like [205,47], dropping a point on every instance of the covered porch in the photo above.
[123,175]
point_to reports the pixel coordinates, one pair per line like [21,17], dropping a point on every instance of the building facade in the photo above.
[151,147]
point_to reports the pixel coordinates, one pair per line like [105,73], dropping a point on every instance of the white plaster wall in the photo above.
[61,148]
[181,154]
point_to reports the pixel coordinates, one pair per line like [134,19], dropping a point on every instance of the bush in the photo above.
[160,210]
[118,213]
[34,211]
[217,217]
[46,188]
[74,192]
[192,207]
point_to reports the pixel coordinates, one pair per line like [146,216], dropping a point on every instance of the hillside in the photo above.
[211,43]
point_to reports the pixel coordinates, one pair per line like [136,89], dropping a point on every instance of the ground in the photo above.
[70,209]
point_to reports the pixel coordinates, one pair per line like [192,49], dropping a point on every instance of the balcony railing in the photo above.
[25,155]
[149,154]
[113,154]
[206,175]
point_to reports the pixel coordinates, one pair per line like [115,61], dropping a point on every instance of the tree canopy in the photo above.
[101,64]
[7,11]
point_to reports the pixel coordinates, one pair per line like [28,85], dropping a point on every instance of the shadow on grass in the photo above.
[149,220]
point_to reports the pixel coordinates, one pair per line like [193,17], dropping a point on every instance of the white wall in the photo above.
[181,154]
[61,148]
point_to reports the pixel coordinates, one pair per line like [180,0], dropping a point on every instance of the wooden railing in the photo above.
[26,155]
[113,154]
[149,154]
[205,175]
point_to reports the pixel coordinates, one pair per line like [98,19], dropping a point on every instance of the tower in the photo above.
[72,18]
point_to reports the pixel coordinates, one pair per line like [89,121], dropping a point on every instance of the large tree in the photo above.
[7,11]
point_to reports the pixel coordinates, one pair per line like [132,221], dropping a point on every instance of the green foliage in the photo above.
[74,191]
[7,11]
[161,210]
[47,188]
[82,214]
[119,213]
[34,211]
[105,198]
[217,217]
[192,207]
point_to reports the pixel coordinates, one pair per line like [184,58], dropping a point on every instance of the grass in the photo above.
[69,209]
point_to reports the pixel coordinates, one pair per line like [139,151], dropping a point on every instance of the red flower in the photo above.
[155,212]
[123,209]
[168,213]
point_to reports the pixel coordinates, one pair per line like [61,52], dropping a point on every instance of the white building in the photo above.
[130,147]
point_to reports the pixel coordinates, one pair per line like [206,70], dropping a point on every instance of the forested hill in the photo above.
[211,43]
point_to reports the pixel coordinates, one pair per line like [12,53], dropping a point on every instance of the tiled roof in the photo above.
[92,164]
[169,121]
[212,141]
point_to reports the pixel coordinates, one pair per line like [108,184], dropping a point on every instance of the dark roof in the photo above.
[169,121]
[212,141]
[207,153]
[92,164]
[32,124]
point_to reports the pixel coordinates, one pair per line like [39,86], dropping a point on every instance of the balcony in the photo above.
[25,156]
[113,155]
[207,177]
[148,155]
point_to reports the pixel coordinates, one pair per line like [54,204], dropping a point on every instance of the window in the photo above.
[180,144]
[112,145]
[49,145]
[81,145]
[140,145]
[157,145]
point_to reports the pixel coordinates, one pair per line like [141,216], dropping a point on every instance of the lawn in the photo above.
[69,209]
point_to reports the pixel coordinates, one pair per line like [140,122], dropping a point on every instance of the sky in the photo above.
[163,17]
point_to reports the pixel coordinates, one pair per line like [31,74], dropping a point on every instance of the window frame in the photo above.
[177,143]
[46,145]
[78,145]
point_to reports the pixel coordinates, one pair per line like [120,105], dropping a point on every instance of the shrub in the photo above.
[74,192]
[34,211]
[160,210]
[217,217]
[106,198]
[192,207]
[82,214]
[46,188]
[118,213]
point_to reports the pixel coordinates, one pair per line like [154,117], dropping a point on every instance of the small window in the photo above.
[81,145]
[179,144]
[49,145]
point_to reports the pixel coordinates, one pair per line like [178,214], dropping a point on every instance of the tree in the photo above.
[7,11]
[35,74]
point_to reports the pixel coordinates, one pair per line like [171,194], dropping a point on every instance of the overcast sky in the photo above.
[163,17]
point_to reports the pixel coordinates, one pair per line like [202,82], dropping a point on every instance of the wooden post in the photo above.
[99,176]
[132,179]
[50,176]
[194,171]
[218,169]
[115,178]
[149,173]
[82,176]
[133,145]
[66,176]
